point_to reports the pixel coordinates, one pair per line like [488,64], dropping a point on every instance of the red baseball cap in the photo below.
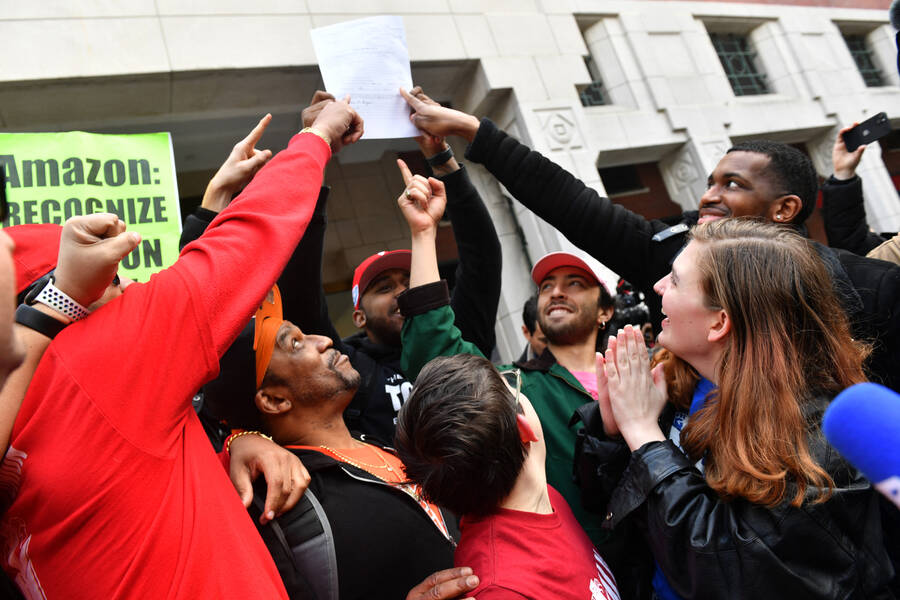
[555,260]
[375,265]
[37,248]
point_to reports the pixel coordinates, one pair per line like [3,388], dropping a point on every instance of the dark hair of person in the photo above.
[793,170]
[457,435]
[789,343]
[604,299]
[529,313]
[230,397]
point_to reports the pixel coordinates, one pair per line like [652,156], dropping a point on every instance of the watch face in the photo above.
[32,293]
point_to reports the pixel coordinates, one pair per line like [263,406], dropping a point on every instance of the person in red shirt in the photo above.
[474,443]
[110,488]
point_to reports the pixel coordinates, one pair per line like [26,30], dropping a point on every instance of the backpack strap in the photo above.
[302,544]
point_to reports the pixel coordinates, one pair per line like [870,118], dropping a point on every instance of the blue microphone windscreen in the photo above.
[863,423]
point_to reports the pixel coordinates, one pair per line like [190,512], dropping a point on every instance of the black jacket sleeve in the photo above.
[877,319]
[708,547]
[301,281]
[476,293]
[617,237]
[844,214]
[194,226]
[599,460]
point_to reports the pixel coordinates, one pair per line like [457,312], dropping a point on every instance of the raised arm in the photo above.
[612,234]
[843,209]
[248,245]
[302,291]
[244,161]
[301,280]
[428,330]
[476,293]
[194,309]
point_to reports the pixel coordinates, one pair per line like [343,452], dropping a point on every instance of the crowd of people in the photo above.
[209,434]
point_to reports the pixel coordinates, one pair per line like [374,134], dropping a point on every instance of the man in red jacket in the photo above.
[110,487]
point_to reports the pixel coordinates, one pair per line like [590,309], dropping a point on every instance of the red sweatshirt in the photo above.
[110,487]
[521,555]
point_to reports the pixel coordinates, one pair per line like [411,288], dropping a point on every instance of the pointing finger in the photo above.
[321,96]
[414,102]
[256,133]
[404,171]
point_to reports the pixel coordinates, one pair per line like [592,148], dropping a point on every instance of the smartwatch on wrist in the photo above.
[45,292]
[441,158]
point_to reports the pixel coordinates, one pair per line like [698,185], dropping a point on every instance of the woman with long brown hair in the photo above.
[746,499]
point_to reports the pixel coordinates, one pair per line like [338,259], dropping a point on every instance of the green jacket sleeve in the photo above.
[428,331]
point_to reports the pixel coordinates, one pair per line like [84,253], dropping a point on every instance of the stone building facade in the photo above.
[599,86]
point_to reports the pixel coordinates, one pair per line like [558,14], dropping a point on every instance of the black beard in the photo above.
[385,331]
[573,332]
[349,380]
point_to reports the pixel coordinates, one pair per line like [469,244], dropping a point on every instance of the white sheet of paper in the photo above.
[368,59]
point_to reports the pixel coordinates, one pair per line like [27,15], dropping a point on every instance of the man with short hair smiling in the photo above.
[757,178]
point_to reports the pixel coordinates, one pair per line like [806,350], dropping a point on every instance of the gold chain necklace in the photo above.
[365,466]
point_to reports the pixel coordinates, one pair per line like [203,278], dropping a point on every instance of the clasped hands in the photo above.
[631,396]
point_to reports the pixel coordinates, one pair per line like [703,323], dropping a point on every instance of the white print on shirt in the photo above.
[15,553]
[603,586]
[10,477]
[14,537]
[398,389]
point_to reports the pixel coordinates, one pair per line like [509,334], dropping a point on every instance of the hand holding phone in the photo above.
[873,128]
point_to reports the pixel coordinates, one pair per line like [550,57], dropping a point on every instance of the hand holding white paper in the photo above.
[368,59]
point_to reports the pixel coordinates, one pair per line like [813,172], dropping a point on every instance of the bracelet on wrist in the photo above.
[317,132]
[440,158]
[235,436]
[32,318]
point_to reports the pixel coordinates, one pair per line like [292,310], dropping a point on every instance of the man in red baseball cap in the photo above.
[376,283]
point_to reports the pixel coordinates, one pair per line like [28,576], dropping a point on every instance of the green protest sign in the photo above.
[53,176]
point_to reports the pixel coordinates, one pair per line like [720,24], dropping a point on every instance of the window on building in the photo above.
[593,94]
[622,181]
[862,54]
[739,61]
[639,188]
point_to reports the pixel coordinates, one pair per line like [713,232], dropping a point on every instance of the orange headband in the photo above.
[268,321]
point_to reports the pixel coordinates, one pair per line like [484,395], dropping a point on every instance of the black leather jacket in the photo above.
[711,548]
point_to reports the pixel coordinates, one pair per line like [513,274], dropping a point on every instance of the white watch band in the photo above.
[62,302]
